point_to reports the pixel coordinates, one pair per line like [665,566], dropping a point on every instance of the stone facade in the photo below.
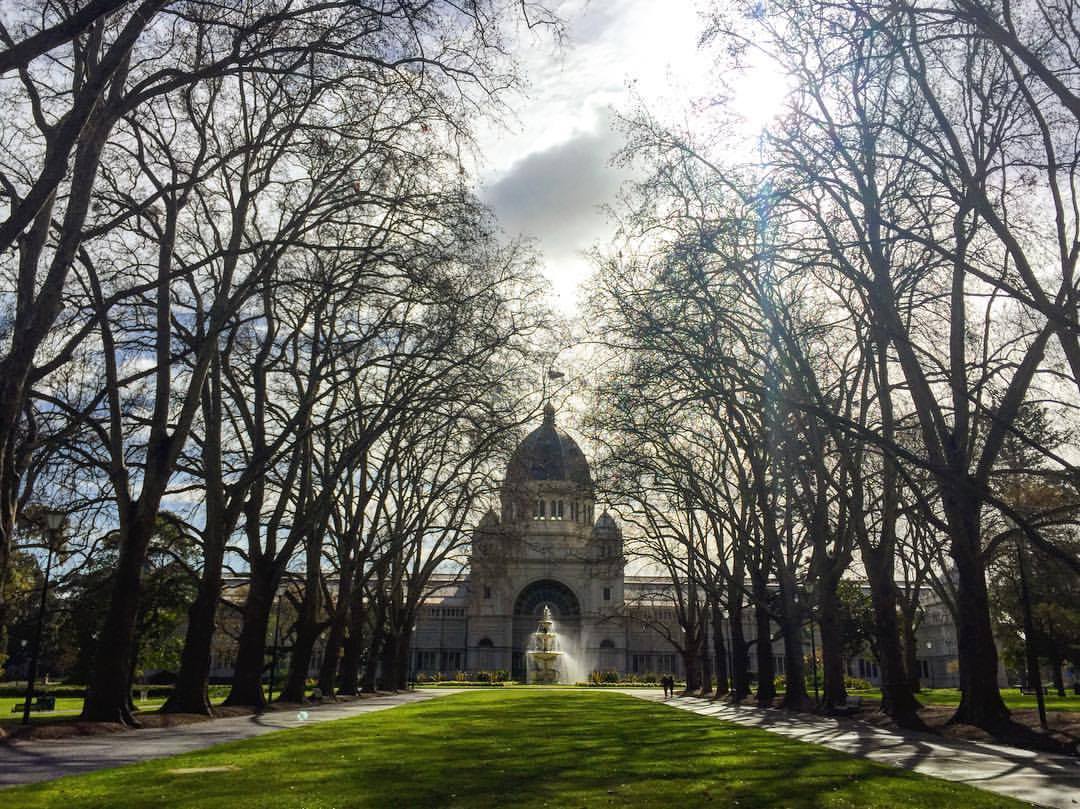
[546,547]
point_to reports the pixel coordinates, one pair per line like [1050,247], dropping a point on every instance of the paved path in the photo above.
[24,762]
[1037,778]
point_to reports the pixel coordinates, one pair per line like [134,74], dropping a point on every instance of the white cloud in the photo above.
[548,176]
[556,196]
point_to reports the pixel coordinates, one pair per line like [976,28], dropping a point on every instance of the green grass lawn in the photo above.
[65,707]
[69,707]
[498,748]
[1014,700]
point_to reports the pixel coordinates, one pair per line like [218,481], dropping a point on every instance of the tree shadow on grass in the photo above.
[528,749]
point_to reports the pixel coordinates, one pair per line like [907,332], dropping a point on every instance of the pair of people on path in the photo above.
[669,685]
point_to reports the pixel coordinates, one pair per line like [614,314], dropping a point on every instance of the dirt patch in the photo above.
[58,729]
[1061,738]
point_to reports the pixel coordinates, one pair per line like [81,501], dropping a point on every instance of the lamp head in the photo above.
[54,520]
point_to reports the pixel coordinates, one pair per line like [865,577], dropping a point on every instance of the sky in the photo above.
[547,172]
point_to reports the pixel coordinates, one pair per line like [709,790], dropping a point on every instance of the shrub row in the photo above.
[463,677]
[850,683]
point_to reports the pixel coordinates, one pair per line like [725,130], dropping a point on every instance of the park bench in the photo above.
[1029,692]
[850,706]
[43,703]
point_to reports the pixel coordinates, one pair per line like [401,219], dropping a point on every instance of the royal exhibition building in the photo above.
[547,547]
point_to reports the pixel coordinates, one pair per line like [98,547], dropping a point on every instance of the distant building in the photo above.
[546,547]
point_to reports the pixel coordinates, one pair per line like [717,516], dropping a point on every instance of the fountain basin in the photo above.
[544,654]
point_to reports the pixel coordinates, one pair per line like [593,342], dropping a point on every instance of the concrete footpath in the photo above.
[1037,778]
[25,762]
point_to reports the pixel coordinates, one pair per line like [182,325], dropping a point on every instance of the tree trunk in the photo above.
[795,696]
[335,638]
[740,649]
[706,670]
[251,648]
[191,693]
[1056,675]
[108,697]
[911,651]
[354,645]
[740,659]
[766,668]
[692,665]
[980,702]
[389,676]
[332,656]
[403,647]
[307,633]
[832,644]
[307,622]
[897,699]
[369,679]
[7,526]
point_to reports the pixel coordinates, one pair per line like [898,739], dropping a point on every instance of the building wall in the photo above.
[628,634]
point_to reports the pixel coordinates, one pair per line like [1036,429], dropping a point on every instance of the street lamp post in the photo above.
[813,641]
[54,521]
[1034,678]
[729,652]
[277,641]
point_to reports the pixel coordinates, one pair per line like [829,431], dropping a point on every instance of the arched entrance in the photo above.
[528,606]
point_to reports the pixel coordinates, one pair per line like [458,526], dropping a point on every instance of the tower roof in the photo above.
[605,520]
[548,453]
[607,527]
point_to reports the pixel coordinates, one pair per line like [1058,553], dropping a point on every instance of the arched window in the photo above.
[558,596]
[607,643]
[485,643]
[560,509]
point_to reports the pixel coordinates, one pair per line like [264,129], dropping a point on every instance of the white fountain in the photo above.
[544,654]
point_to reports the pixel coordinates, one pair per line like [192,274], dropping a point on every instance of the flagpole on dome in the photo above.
[553,375]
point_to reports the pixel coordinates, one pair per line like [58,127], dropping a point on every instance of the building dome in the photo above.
[548,454]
